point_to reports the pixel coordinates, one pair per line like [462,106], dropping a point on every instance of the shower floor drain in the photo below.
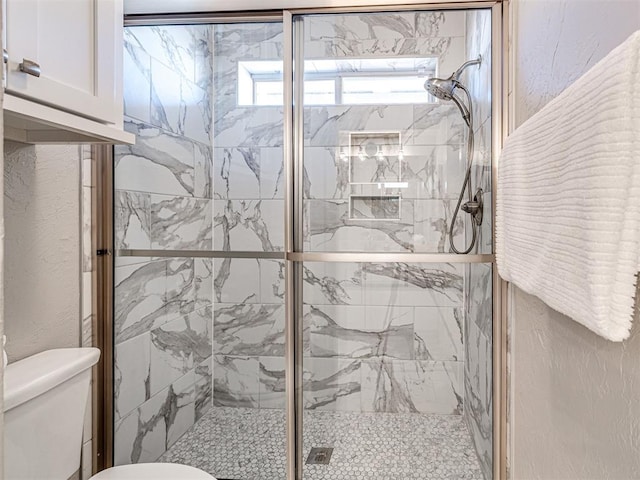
[319,456]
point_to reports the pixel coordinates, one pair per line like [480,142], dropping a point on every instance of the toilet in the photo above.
[45,396]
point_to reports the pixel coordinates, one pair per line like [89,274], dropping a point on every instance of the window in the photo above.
[349,81]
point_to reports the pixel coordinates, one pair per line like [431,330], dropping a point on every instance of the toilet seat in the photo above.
[152,471]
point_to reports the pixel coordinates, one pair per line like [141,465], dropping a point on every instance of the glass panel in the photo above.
[248,201]
[395,368]
[397,356]
[387,138]
[199,344]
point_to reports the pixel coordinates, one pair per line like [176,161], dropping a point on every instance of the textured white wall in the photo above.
[42,248]
[576,396]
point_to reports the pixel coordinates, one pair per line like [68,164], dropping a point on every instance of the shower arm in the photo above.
[456,75]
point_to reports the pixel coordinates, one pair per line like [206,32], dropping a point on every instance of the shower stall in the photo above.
[287,302]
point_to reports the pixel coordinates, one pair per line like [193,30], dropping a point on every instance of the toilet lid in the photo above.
[152,471]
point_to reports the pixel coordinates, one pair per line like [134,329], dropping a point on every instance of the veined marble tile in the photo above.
[159,162]
[272,382]
[432,222]
[172,45]
[438,333]
[360,332]
[485,238]
[237,173]
[248,127]
[168,107]
[203,40]
[86,298]
[235,381]
[249,225]
[183,417]
[272,281]
[326,172]
[433,171]
[412,386]
[144,434]
[139,302]
[203,281]
[236,280]
[203,388]
[87,330]
[271,173]
[478,394]
[324,124]
[332,283]
[229,37]
[385,25]
[180,293]
[440,23]
[479,302]
[360,26]
[132,227]
[332,384]
[330,228]
[178,346]
[179,105]
[413,284]
[249,330]
[437,123]
[131,371]
[87,228]
[478,80]
[203,171]
[137,81]
[180,223]
[198,113]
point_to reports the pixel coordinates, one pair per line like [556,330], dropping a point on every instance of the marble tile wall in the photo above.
[478,361]
[478,43]
[248,215]
[163,315]
[368,328]
[377,337]
[432,135]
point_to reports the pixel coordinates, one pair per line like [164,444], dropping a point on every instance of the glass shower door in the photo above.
[199,295]
[385,338]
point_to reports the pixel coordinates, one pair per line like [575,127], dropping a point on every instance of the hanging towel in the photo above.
[568,198]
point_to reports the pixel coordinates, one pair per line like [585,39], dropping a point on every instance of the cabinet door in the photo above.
[77,45]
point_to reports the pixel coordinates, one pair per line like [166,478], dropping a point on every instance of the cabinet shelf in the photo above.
[29,122]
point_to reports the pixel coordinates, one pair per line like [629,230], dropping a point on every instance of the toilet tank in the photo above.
[45,396]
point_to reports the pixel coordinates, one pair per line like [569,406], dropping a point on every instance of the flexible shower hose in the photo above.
[466,184]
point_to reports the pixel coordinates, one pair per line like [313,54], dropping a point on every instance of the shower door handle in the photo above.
[29,67]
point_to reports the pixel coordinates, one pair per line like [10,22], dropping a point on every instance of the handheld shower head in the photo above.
[443,88]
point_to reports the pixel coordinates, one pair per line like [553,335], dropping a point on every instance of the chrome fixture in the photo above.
[29,67]
[444,89]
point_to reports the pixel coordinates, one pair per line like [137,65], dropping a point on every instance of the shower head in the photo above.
[443,88]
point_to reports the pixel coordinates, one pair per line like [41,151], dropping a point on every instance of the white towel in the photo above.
[568,204]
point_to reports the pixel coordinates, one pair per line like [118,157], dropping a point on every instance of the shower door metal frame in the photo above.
[294,252]
[294,256]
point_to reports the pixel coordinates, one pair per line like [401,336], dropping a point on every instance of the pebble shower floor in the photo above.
[249,444]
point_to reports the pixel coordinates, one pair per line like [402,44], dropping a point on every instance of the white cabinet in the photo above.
[65,56]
